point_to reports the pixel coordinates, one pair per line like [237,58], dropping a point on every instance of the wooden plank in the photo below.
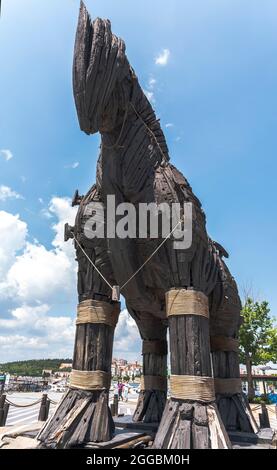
[200,437]
[200,415]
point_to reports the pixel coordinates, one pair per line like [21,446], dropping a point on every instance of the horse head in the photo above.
[100,67]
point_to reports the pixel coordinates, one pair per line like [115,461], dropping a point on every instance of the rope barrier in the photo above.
[53,402]
[256,408]
[267,407]
[16,405]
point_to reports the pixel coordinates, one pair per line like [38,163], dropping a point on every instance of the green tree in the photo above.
[257,338]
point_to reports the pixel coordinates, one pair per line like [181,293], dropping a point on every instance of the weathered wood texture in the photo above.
[185,424]
[93,347]
[189,351]
[84,416]
[151,403]
[133,166]
[191,426]
[231,406]
[225,321]
[81,417]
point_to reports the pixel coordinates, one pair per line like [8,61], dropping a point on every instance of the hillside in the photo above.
[33,367]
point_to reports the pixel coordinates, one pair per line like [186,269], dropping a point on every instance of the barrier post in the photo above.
[43,408]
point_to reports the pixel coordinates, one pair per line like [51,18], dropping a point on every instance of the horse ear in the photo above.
[99,64]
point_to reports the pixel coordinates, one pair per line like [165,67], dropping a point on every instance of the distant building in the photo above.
[122,362]
[121,368]
[66,365]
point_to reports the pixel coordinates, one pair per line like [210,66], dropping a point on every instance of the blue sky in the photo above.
[216,96]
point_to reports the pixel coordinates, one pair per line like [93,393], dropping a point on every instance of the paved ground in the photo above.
[28,415]
[256,409]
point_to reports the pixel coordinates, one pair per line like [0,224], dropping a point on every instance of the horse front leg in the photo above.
[84,414]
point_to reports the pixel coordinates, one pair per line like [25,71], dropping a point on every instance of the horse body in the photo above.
[134,167]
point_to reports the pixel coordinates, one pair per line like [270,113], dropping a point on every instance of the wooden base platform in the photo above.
[130,435]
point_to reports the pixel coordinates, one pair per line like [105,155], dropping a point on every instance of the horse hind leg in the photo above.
[152,396]
[225,322]
[191,418]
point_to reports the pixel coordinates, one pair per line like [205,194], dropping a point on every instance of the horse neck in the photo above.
[137,129]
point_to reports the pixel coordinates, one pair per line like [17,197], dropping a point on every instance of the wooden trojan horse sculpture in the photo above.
[188,290]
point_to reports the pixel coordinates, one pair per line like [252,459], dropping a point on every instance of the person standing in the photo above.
[120,390]
[126,392]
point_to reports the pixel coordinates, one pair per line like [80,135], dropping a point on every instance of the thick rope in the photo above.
[192,387]
[53,402]
[90,380]
[16,405]
[94,311]
[153,382]
[186,302]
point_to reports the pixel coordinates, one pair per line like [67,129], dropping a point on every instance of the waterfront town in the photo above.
[56,379]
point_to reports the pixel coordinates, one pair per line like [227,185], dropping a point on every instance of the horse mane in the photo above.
[105,86]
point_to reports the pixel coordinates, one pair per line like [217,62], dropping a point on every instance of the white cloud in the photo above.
[151,83]
[35,281]
[7,193]
[43,275]
[39,274]
[45,213]
[40,200]
[63,211]
[73,165]
[19,343]
[149,95]
[169,124]
[6,154]
[127,342]
[13,233]
[163,57]
[35,319]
